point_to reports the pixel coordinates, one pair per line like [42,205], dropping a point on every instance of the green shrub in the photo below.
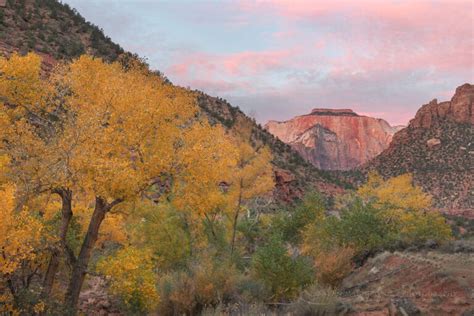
[249,290]
[290,223]
[359,226]
[282,274]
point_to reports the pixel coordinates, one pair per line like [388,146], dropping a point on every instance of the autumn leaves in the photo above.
[103,134]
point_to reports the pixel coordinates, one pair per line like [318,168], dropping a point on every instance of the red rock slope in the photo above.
[412,283]
[334,139]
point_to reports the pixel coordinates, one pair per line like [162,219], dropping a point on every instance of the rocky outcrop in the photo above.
[438,148]
[459,110]
[334,139]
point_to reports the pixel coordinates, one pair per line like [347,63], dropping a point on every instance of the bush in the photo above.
[177,294]
[315,301]
[205,283]
[332,267]
[282,274]
[249,290]
[406,210]
[387,215]
[360,227]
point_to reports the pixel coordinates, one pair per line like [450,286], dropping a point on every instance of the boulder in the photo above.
[433,142]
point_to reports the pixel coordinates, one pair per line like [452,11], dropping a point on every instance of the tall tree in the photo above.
[253,176]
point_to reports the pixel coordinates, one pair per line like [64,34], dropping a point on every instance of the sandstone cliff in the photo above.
[334,139]
[438,148]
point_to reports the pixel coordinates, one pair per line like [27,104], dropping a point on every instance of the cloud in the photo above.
[281,58]
[246,63]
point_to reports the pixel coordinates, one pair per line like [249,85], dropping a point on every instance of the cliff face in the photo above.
[334,139]
[438,148]
[458,110]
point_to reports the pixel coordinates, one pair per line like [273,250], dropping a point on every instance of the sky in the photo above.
[279,59]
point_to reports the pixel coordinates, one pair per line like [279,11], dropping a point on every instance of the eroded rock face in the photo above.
[459,110]
[334,139]
[437,148]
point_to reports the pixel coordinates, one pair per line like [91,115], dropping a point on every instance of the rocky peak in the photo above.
[459,109]
[438,149]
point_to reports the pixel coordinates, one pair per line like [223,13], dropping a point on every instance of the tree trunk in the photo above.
[80,267]
[236,218]
[66,215]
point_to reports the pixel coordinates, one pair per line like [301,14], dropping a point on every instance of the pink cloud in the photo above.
[401,34]
[219,86]
[344,51]
[242,63]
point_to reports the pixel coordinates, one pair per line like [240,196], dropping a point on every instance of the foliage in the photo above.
[161,229]
[283,274]
[252,177]
[97,132]
[393,213]
[394,193]
[292,221]
[333,266]
[405,209]
[315,300]
[359,226]
[132,278]
[23,242]
[206,282]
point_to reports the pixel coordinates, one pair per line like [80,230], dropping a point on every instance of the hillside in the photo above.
[57,32]
[334,139]
[426,282]
[52,28]
[438,148]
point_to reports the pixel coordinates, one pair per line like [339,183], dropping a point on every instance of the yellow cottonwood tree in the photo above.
[405,207]
[398,192]
[101,133]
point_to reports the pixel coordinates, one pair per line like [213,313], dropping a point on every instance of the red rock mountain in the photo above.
[438,148]
[334,139]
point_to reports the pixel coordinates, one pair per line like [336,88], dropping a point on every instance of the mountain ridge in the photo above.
[438,148]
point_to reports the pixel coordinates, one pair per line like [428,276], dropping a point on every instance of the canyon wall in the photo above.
[334,139]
